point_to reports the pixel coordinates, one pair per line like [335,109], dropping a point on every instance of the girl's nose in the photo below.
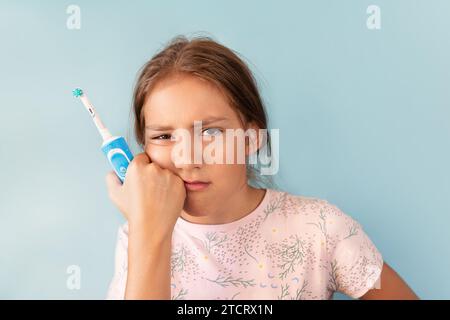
[186,153]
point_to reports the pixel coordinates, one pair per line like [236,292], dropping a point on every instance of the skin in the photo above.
[177,102]
[392,287]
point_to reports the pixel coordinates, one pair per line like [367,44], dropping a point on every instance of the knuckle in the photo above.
[141,158]
[152,168]
[132,165]
[155,168]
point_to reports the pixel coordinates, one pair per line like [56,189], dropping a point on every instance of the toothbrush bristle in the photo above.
[77,92]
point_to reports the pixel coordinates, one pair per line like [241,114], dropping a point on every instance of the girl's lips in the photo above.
[196,186]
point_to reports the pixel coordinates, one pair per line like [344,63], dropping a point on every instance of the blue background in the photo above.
[363,118]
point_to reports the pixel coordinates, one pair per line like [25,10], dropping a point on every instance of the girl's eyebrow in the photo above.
[204,122]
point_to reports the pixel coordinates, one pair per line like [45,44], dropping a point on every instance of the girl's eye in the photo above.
[212,131]
[162,137]
[207,132]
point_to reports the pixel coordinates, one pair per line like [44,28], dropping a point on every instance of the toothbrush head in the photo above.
[78,92]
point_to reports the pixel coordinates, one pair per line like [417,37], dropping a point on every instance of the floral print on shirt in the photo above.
[289,247]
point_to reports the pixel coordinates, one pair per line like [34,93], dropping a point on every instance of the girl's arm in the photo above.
[151,199]
[392,287]
[148,265]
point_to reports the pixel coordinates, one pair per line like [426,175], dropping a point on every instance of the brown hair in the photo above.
[209,60]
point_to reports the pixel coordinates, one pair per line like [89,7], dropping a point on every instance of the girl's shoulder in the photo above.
[310,209]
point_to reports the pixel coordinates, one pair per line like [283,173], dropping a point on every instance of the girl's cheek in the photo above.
[159,155]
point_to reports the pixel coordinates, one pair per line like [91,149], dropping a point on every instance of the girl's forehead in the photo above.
[186,99]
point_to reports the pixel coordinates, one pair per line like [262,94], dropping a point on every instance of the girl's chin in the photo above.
[197,203]
[193,212]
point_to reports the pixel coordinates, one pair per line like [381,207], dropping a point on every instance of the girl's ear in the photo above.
[253,141]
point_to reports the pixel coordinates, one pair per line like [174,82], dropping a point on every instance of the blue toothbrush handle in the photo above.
[118,154]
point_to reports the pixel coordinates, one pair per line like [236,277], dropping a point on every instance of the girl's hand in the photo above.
[150,197]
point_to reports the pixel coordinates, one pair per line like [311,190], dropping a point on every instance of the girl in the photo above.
[202,231]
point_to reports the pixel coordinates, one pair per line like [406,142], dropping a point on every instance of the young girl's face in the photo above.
[176,102]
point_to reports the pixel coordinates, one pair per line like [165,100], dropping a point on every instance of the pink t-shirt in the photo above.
[289,247]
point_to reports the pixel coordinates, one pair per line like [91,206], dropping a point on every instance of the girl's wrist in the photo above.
[147,233]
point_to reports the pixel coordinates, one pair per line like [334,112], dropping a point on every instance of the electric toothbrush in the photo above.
[115,148]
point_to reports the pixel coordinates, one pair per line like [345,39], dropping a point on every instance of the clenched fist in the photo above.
[150,197]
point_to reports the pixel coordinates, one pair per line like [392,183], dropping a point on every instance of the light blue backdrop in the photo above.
[363,118]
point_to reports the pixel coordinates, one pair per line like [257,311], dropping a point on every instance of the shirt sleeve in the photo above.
[355,264]
[116,289]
